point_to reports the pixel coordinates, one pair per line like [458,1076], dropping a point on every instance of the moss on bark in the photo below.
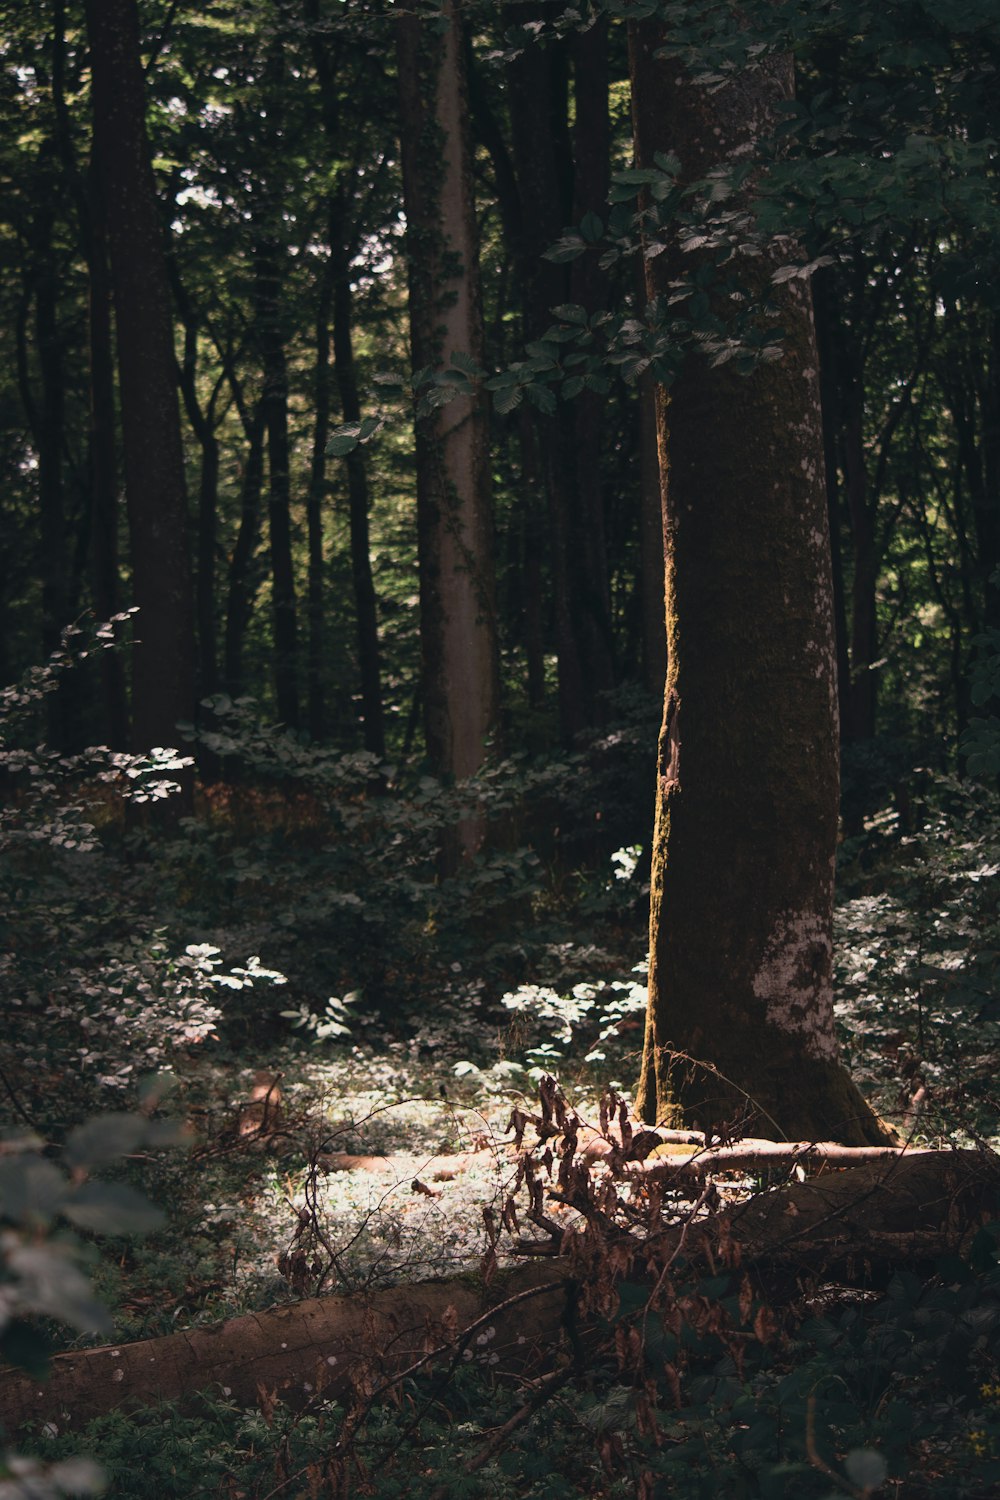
[747,775]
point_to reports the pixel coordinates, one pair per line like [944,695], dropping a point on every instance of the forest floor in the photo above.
[346,1149]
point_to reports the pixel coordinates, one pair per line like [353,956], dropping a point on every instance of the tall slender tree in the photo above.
[454,520]
[163,667]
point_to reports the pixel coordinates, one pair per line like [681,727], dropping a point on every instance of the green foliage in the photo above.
[918,957]
[980,744]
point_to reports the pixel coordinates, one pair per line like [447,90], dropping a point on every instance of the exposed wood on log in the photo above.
[324,1344]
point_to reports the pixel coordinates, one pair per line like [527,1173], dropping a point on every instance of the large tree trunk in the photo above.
[740,1018]
[454,518]
[163,663]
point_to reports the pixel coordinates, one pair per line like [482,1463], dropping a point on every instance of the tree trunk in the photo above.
[163,662]
[203,425]
[537,89]
[104,464]
[279,485]
[589,289]
[242,586]
[530,528]
[651,605]
[740,1018]
[102,460]
[825,317]
[315,693]
[454,518]
[365,603]
[271,268]
[862,693]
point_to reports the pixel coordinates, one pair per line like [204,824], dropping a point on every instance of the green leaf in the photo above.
[31,1189]
[507,399]
[49,1282]
[541,397]
[463,361]
[112,1208]
[343,442]
[571,312]
[591,227]
[866,1469]
[567,248]
[107,1138]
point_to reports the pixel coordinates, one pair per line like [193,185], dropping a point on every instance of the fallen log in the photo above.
[324,1345]
[913,1207]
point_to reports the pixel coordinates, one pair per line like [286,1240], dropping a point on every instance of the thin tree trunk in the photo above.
[241,589]
[530,512]
[365,602]
[102,460]
[275,400]
[454,517]
[538,94]
[863,688]
[740,1016]
[203,424]
[315,694]
[589,288]
[163,663]
[651,604]
[104,464]
[824,312]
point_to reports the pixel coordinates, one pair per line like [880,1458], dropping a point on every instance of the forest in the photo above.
[500,749]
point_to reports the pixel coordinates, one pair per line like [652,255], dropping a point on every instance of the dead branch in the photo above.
[747,1155]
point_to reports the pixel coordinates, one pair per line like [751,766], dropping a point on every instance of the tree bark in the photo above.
[740,1017]
[203,424]
[542,158]
[102,459]
[589,289]
[365,602]
[271,265]
[454,513]
[279,483]
[315,676]
[242,586]
[104,463]
[163,662]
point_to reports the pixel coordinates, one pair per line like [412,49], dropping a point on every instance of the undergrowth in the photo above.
[299,928]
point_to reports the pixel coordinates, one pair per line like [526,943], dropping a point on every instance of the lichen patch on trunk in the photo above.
[794,982]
